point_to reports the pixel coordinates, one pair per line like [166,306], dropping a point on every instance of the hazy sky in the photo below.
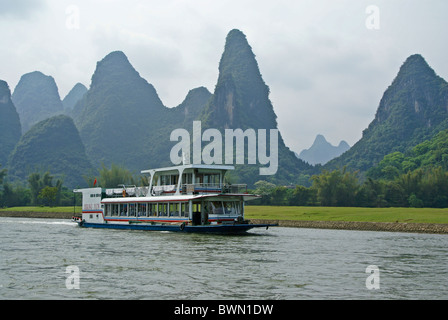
[327,62]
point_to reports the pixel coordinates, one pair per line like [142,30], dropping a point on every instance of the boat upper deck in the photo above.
[192,179]
[182,182]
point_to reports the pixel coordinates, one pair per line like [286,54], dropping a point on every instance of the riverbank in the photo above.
[434,228]
[420,220]
[33,214]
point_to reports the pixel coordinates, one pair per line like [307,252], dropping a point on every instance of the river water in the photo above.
[55,259]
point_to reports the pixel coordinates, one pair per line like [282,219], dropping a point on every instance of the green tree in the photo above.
[34,182]
[371,194]
[49,195]
[411,182]
[264,189]
[336,188]
[14,195]
[415,202]
[280,196]
[389,168]
[38,182]
[116,175]
[2,174]
[303,196]
[434,188]
[395,195]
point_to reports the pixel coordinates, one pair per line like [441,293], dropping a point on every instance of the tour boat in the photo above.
[184,198]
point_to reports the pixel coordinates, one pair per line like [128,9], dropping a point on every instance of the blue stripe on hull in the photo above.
[220,228]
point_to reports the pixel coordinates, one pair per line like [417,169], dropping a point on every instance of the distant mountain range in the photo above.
[120,119]
[322,151]
[72,98]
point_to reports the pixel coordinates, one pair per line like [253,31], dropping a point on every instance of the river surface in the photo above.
[55,259]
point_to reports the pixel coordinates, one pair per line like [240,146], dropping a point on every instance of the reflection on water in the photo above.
[279,263]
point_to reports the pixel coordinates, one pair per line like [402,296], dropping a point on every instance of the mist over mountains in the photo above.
[120,119]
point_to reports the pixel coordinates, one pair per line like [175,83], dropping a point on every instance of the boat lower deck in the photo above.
[211,228]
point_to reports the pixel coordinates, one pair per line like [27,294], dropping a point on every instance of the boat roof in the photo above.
[177,198]
[190,166]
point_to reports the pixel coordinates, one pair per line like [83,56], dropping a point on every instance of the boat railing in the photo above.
[126,191]
[163,190]
[199,188]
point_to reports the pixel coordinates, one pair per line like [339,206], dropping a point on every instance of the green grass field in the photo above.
[41,209]
[410,215]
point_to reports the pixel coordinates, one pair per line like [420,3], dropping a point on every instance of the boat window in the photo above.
[199,178]
[169,179]
[131,209]
[229,207]
[215,207]
[124,210]
[185,211]
[141,210]
[211,179]
[163,209]
[187,178]
[152,209]
[115,209]
[107,210]
[196,207]
[239,207]
[174,210]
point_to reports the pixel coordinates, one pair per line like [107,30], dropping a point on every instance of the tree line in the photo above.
[40,190]
[418,188]
[44,189]
[415,178]
[422,187]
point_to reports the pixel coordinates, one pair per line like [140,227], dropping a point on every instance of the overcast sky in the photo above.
[327,62]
